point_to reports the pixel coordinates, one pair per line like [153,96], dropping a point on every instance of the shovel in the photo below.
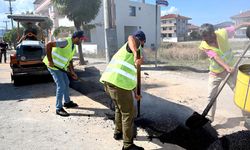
[196,120]
[78,79]
[138,88]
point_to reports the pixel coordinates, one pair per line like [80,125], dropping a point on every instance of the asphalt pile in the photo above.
[164,120]
[235,141]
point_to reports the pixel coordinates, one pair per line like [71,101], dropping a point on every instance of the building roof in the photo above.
[32,18]
[192,27]
[174,16]
[245,14]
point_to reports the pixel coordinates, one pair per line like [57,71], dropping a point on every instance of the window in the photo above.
[163,21]
[163,35]
[132,11]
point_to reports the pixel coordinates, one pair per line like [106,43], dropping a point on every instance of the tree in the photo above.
[12,36]
[81,12]
[195,35]
[46,26]
[58,32]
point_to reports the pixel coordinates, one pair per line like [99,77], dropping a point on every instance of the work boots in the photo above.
[70,104]
[133,147]
[118,136]
[62,112]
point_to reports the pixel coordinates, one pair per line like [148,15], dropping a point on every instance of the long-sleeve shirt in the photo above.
[230,31]
[211,54]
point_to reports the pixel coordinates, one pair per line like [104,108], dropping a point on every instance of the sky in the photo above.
[201,11]
[205,11]
[18,6]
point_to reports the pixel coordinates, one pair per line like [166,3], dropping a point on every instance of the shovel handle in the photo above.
[79,79]
[210,104]
[138,88]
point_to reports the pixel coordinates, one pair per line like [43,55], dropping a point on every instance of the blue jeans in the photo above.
[62,87]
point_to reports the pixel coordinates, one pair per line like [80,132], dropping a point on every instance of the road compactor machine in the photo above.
[29,52]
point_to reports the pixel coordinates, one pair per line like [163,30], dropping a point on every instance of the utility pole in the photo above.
[164,3]
[106,26]
[11,10]
[6,23]
[109,29]
[156,30]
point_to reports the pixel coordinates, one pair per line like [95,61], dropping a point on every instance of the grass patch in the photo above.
[185,53]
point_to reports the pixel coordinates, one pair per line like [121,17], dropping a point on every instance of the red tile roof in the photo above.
[192,26]
[245,14]
[176,16]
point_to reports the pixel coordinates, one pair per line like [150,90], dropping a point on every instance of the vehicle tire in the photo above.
[15,80]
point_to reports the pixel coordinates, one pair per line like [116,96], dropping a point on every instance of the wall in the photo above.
[144,20]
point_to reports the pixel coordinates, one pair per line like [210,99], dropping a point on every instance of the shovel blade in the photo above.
[196,121]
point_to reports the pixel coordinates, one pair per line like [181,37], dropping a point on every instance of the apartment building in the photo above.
[127,17]
[238,19]
[174,27]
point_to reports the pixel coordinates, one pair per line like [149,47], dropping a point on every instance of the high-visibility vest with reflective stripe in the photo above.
[224,51]
[61,56]
[121,70]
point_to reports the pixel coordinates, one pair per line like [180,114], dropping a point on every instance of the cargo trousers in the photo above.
[213,85]
[124,112]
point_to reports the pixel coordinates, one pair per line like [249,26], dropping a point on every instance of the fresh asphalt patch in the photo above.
[163,119]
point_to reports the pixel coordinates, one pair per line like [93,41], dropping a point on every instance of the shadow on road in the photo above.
[175,68]
[89,112]
[26,88]
[231,122]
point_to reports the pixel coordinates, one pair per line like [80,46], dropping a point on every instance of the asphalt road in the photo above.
[28,119]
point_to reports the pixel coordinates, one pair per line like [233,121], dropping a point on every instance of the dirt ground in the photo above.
[28,120]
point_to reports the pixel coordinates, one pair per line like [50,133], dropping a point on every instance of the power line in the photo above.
[11,10]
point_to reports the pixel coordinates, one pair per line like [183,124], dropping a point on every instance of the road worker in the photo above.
[215,44]
[59,62]
[119,81]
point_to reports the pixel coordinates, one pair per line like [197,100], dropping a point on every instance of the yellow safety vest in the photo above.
[224,51]
[121,70]
[61,56]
